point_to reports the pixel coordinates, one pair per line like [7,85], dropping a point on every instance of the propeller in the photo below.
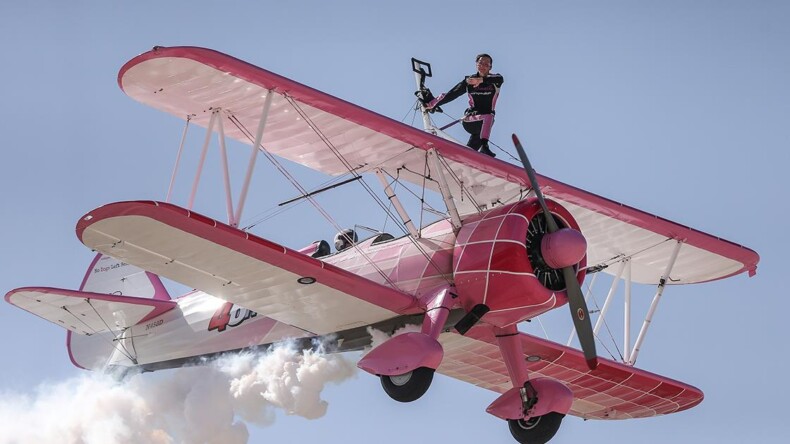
[579,312]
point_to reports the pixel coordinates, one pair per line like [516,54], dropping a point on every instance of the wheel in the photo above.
[408,387]
[537,430]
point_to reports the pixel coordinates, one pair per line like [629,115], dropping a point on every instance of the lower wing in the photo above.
[612,391]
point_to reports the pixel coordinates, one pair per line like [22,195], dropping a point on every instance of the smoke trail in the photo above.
[378,337]
[209,404]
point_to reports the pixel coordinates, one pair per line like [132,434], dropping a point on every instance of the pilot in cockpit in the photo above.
[345,239]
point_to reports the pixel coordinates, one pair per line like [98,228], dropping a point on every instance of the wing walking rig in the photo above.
[515,245]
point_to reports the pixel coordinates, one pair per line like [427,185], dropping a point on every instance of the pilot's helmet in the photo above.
[345,239]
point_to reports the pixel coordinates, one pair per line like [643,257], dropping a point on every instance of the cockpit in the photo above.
[343,241]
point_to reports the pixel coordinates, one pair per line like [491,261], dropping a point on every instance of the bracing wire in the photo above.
[312,201]
[118,345]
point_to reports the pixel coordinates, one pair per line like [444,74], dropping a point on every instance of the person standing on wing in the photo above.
[482,88]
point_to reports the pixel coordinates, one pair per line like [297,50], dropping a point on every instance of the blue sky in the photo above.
[677,108]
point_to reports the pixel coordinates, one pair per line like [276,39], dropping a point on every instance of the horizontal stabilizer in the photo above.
[87,313]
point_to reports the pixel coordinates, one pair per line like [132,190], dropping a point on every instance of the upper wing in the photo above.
[333,136]
[611,391]
[87,313]
[239,267]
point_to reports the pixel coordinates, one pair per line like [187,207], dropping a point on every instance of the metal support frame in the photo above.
[624,273]
[254,154]
[455,218]
[609,297]
[216,120]
[225,172]
[396,203]
[178,160]
[206,141]
[627,314]
[426,120]
[659,291]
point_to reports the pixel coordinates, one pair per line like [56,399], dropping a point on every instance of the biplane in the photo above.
[511,245]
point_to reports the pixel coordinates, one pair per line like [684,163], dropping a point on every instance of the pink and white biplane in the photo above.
[513,245]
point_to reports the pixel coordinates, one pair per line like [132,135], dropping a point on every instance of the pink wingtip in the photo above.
[592,363]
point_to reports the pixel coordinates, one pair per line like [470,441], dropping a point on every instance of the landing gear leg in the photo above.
[406,363]
[534,410]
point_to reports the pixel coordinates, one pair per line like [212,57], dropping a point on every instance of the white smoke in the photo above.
[378,337]
[208,404]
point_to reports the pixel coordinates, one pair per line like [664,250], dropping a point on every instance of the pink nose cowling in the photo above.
[563,248]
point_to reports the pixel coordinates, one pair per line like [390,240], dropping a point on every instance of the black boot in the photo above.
[485,150]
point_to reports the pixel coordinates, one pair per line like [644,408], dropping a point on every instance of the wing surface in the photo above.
[612,391]
[333,136]
[87,313]
[239,267]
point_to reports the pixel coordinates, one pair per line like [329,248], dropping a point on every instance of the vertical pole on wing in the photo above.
[609,297]
[627,315]
[659,291]
[455,219]
[253,155]
[225,172]
[178,160]
[396,203]
[419,77]
[209,130]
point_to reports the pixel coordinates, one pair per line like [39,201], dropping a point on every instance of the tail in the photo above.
[107,275]
[113,297]
[111,276]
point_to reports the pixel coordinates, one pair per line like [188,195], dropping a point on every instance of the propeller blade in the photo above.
[581,317]
[579,312]
[550,222]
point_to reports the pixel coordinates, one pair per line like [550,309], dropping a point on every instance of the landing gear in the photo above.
[409,386]
[538,430]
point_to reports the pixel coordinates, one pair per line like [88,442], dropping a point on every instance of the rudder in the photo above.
[111,276]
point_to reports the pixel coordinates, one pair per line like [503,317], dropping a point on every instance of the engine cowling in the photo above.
[499,261]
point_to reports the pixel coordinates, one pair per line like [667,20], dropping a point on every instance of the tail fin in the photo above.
[111,276]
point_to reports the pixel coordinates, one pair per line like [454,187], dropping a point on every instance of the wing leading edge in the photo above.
[239,267]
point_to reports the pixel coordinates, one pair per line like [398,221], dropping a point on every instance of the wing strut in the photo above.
[206,141]
[396,203]
[253,155]
[653,305]
[178,159]
[455,219]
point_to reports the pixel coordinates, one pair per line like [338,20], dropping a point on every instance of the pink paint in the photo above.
[611,391]
[402,354]
[491,265]
[563,248]
[309,250]
[71,354]
[437,309]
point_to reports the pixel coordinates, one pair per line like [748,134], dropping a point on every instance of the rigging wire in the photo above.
[116,344]
[310,199]
[598,309]
[367,187]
